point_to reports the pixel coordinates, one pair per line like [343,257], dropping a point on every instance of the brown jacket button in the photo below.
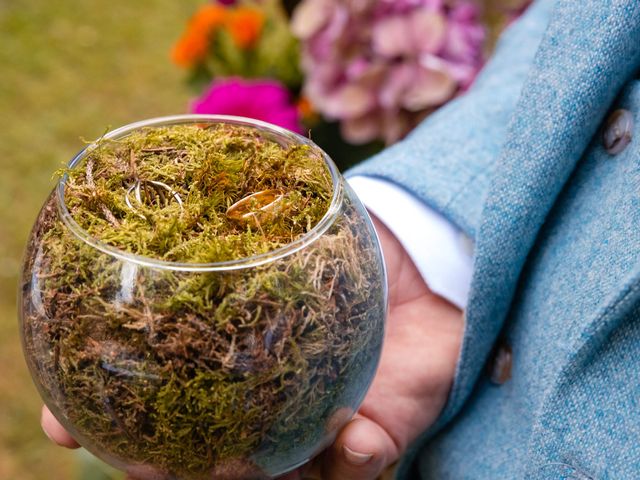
[499,365]
[618,131]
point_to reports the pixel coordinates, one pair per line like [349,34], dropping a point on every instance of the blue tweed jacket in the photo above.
[519,164]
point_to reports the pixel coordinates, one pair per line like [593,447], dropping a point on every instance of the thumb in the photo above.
[55,431]
[362,451]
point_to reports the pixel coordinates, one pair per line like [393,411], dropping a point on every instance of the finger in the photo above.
[361,452]
[55,431]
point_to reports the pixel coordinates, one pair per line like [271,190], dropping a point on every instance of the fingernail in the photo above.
[356,458]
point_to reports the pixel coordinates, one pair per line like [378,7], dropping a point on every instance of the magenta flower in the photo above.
[381,66]
[266,100]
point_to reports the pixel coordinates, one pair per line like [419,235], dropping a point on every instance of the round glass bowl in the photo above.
[239,369]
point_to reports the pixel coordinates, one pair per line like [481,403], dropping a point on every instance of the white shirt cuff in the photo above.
[441,252]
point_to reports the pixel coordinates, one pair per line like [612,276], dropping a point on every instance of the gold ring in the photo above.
[256,207]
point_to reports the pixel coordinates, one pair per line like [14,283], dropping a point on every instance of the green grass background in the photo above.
[68,69]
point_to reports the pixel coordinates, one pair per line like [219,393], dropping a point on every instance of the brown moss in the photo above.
[198,373]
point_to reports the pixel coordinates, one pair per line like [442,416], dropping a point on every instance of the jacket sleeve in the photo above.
[448,160]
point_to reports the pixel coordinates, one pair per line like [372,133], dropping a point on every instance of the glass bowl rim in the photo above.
[247,262]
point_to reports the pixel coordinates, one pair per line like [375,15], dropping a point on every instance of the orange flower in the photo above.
[194,43]
[244,24]
[189,50]
[208,18]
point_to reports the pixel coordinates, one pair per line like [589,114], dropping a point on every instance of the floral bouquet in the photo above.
[354,74]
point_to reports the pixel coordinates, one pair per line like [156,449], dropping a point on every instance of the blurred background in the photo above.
[68,69]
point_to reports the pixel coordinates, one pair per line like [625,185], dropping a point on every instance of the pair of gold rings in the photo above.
[255,208]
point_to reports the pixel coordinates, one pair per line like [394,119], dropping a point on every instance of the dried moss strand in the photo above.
[90,182]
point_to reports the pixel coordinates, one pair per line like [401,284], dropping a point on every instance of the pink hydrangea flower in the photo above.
[266,100]
[381,66]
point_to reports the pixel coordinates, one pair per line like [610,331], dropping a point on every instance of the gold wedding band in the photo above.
[256,208]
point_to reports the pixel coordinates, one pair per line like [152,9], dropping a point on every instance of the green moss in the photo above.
[188,177]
